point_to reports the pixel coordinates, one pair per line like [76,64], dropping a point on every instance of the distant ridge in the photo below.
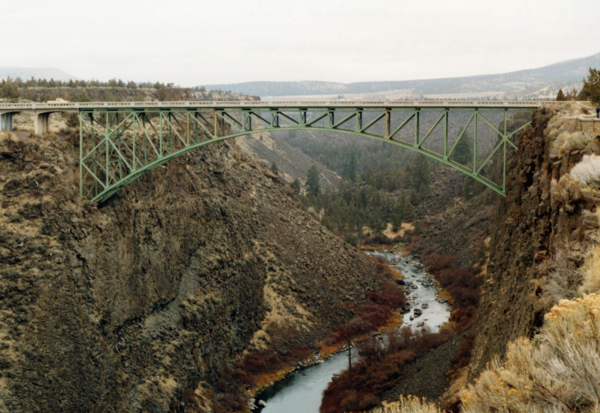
[36,72]
[568,71]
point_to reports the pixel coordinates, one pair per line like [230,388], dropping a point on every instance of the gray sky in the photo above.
[225,41]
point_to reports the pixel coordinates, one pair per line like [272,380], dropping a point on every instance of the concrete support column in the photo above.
[42,123]
[6,121]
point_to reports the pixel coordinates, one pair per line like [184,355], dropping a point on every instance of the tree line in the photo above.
[590,90]
[33,82]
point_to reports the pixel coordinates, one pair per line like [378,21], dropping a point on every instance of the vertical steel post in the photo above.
[446,129]
[187,126]
[144,136]
[95,157]
[106,137]
[119,146]
[170,126]
[80,153]
[417,121]
[475,141]
[302,117]
[359,119]
[505,111]
[134,138]
[216,134]
[387,123]
[160,134]
[504,139]
[246,120]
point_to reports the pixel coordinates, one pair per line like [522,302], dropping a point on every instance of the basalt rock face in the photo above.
[535,221]
[127,305]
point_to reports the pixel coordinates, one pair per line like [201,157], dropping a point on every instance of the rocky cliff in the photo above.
[131,305]
[547,221]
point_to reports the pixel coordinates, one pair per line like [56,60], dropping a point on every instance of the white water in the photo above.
[302,391]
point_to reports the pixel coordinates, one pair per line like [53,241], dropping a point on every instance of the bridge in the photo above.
[121,141]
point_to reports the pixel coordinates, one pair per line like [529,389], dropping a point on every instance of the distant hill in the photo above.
[37,72]
[569,71]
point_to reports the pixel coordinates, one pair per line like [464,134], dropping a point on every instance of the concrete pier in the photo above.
[42,123]
[6,121]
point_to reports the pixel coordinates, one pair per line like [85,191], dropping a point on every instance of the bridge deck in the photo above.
[71,107]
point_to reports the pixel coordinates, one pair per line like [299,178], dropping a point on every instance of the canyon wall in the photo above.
[130,305]
[545,226]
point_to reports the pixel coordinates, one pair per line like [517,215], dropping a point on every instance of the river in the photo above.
[301,392]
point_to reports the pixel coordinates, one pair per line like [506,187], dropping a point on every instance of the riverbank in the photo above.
[303,386]
[426,376]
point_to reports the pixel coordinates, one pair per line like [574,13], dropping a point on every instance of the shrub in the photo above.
[588,170]
[559,370]
[591,273]
[263,362]
[436,262]
[362,388]
[410,404]
[391,296]
[563,278]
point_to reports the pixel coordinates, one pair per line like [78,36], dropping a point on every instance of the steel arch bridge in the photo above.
[119,142]
[118,145]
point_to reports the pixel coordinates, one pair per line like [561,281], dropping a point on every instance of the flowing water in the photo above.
[301,392]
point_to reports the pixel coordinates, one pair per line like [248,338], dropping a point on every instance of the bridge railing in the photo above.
[274,104]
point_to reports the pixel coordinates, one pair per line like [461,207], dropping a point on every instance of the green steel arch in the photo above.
[119,145]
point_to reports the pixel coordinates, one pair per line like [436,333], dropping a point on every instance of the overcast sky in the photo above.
[196,42]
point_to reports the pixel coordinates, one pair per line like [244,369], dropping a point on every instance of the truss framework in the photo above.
[119,145]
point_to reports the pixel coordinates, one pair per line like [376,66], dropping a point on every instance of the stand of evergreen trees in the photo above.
[590,90]
[370,198]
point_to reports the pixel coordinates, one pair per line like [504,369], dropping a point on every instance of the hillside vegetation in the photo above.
[42,90]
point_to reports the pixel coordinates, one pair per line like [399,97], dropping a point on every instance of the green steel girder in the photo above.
[118,146]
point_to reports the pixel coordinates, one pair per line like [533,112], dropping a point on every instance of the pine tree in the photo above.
[297,185]
[408,211]
[463,153]
[402,203]
[572,95]
[312,181]
[350,169]
[274,168]
[419,171]
[560,96]
[591,87]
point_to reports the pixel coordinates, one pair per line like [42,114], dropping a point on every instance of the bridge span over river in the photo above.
[120,141]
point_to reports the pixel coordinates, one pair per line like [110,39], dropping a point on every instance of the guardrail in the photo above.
[272,104]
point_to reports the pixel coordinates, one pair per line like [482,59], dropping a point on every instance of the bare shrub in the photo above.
[410,404]
[564,278]
[587,170]
[557,371]
[577,141]
[591,273]
[363,387]
[565,190]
